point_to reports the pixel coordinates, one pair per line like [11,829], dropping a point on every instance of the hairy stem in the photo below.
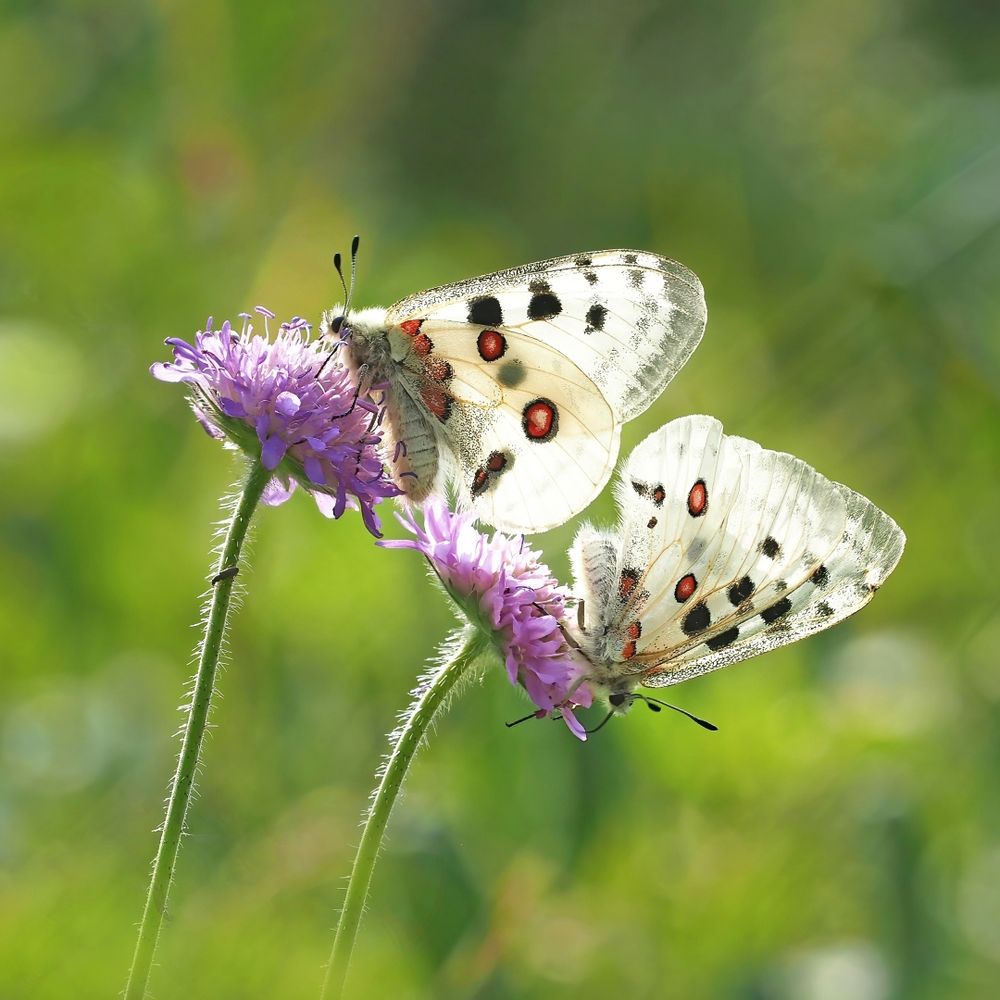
[428,699]
[194,732]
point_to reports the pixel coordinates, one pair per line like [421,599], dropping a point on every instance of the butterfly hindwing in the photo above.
[532,438]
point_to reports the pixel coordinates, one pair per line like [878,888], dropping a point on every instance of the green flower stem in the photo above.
[256,479]
[428,698]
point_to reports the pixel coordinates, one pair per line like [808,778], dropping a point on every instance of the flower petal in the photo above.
[287,403]
[272,451]
[572,723]
[276,492]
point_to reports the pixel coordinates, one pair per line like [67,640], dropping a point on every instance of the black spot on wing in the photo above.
[697,619]
[544,305]
[511,374]
[775,611]
[723,639]
[821,577]
[485,311]
[770,547]
[596,315]
[630,258]
[591,276]
[741,591]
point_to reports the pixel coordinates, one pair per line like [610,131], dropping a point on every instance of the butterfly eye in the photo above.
[617,699]
[336,323]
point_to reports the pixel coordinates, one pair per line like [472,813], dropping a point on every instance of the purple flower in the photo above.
[288,402]
[505,589]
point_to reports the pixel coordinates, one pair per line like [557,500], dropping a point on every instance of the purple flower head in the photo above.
[503,588]
[288,402]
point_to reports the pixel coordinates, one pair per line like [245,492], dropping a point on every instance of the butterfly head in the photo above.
[622,700]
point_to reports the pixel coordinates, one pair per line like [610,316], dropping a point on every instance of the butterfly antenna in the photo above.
[338,266]
[655,704]
[517,722]
[600,725]
[355,243]
[338,322]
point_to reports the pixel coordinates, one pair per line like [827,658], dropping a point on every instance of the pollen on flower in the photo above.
[503,587]
[288,402]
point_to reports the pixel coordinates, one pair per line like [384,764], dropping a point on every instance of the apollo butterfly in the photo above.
[514,386]
[723,550]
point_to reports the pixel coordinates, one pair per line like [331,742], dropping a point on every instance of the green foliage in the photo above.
[829,170]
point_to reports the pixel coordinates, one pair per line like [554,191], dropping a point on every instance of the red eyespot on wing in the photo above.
[686,586]
[480,481]
[628,650]
[626,583]
[438,369]
[411,327]
[634,631]
[540,420]
[492,345]
[659,495]
[437,401]
[422,345]
[698,499]
[488,471]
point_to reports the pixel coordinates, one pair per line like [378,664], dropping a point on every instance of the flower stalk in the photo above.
[254,483]
[458,661]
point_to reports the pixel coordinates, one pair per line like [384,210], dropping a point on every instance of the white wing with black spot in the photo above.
[628,319]
[526,375]
[724,550]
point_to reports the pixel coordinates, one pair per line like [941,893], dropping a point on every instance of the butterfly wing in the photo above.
[531,438]
[537,367]
[841,585]
[726,550]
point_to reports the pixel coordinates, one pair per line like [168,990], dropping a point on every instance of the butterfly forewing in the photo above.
[727,549]
[630,320]
[843,584]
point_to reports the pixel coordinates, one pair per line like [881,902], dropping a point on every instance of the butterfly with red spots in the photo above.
[723,550]
[513,387]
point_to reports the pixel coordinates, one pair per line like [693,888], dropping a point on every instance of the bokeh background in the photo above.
[831,171]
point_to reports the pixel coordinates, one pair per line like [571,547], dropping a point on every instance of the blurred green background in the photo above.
[831,171]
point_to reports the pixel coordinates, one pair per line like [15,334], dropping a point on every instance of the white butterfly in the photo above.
[514,386]
[723,550]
